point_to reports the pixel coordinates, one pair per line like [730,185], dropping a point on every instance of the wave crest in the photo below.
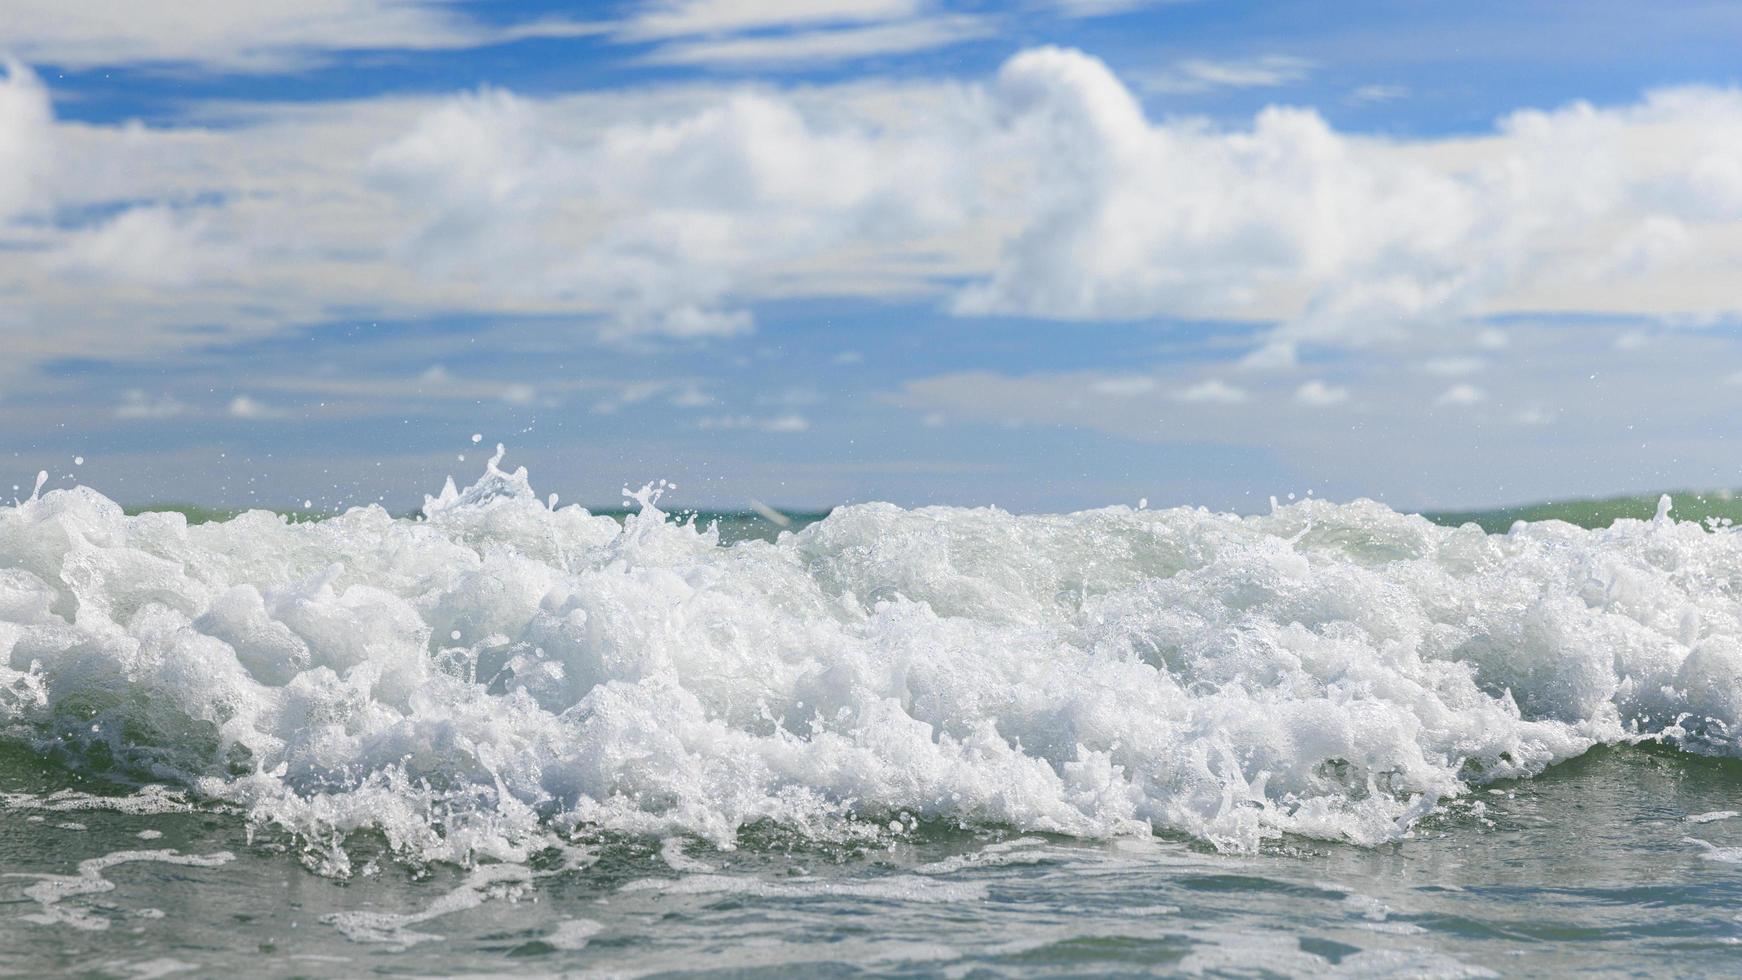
[467,682]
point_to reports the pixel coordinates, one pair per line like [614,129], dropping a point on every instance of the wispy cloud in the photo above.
[682,18]
[811,47]
[1212,392]
[1103,8]
[244,407]
[257,36]
[774,423]
[775,34]
[1202,74]
[1369,94]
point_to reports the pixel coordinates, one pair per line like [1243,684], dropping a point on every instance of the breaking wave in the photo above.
[472,682]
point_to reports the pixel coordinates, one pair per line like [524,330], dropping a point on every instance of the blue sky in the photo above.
[1047,255]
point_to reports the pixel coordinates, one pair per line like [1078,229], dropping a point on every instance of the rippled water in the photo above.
[508,737]
[1612,863]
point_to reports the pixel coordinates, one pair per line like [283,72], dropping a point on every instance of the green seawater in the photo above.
[1690,505]
[1613,864]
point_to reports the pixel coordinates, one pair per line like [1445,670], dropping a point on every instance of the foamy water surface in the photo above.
[921,715]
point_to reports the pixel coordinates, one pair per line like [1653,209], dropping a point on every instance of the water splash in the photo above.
[483,680]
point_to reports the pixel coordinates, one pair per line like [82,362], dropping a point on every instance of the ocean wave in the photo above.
[469,681]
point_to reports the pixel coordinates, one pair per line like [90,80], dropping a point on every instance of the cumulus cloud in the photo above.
[1045,191]
[1349,239]
[660,223]
[147,246]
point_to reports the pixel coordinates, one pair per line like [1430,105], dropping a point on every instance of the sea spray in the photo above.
[474,682]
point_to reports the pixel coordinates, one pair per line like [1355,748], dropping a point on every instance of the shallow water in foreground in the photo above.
[505,736]
[1619,862]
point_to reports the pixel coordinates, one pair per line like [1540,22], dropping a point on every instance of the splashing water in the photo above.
[474,683]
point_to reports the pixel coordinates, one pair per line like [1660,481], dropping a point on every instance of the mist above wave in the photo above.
[468,682]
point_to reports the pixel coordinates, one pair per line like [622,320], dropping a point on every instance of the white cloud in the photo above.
[1213,391]
[244,407]
[809,47]
[1390,439]
[258,35]
[146,246]
[1461,394]
[1047,191]
[1102,8]
[659,221]
[1351,239]
[1368,94]
[771,34]
[1272,356]
[26,131]
[1202,74]
[1318,393]
[677,18]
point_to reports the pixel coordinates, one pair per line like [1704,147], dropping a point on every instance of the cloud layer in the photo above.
[256,36]
[1046,191]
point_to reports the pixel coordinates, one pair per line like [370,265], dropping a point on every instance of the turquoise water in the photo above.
[504,738]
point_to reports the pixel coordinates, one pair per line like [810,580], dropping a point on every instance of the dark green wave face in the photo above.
[1720,507]
[1699,506]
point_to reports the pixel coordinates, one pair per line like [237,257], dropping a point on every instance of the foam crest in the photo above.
[470,684]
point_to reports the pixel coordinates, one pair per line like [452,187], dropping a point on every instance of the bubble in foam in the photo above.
[1328,670]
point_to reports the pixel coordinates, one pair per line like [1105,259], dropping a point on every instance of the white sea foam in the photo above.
[1713,817]
[573,933]
[1328,670]
[51,891]
[896,888]
[394,928]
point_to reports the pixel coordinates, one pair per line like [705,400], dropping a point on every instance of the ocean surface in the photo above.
[507,738]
